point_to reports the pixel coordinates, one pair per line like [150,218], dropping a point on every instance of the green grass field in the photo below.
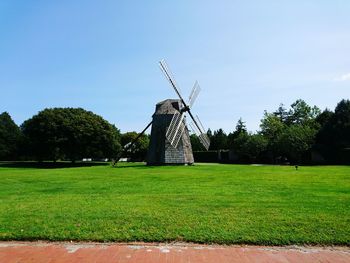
[274,205]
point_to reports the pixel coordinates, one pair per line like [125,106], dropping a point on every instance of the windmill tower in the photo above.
[170,141]
[160,150]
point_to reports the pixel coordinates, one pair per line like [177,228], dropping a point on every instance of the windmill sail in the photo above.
[194,94]
[175,129]
[177,125]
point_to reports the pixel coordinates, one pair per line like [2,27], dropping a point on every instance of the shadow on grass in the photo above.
[139,165]
[51,165]
[142,165]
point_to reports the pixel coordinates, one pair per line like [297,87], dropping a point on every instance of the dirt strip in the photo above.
[46,252]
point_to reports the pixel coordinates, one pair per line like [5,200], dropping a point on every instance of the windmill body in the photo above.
[160,150]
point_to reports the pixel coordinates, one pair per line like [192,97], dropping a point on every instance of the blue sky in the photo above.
[248,56]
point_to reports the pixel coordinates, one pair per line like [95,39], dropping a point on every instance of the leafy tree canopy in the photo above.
[240,129]
[70,133]
[218,140]
[333,139]
[196,144]
[296,140]
[302,113]
[139,150]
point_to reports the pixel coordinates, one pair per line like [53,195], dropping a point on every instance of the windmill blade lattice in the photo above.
[194,94]
[175,129]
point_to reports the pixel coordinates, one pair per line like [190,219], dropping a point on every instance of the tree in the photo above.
[324,117]
[240,128]
[302,113]
[139,150]
[333,139]
[281,113]
[195,143]
[277,126]
[70,133]
[256,145]
[219,140]
[210,134]
[10,137]
[249,147]
[341,130]
[271,128]
[341,123]
[295,141]
[239,146]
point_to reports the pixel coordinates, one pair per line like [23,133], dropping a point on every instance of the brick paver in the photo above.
[42,252]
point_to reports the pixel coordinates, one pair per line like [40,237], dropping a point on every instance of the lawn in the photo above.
[226,204]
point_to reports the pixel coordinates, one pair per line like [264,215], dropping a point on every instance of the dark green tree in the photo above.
[219,140]
[333,139]
[210,134]
[324,117]
[281,113]
[196,144]
[240,128]
[256,145]
[239,146]
[272,127]
[302,113]
[139,150]
[277,126]
[10,138]
[249,147]
[70,133]
[295,141]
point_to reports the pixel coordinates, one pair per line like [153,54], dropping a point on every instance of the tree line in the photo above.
[299,134]
[65,134]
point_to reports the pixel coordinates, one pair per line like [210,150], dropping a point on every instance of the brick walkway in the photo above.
[42,252]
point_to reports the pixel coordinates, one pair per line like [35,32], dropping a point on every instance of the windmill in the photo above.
[170,141]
